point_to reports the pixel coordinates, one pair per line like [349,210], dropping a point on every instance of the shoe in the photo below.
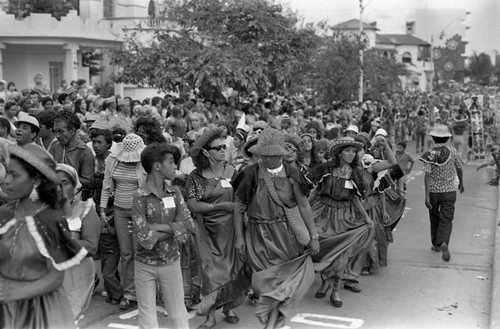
[323,290]
[104,293]
[113,301]
[365,271]
[436,249]
[389,237]
[231,317]
[335,299]
[445,252]
[127,304]
[352,286]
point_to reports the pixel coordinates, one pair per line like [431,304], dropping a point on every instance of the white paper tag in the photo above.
[74,224]
[168,202]
[348,185]
[225,183]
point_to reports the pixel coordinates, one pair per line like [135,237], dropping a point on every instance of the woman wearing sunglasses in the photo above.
[210,198]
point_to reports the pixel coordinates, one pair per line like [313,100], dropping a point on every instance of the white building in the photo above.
[404,48]
[41,43]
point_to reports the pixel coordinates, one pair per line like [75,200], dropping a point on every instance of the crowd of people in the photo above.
[202,203]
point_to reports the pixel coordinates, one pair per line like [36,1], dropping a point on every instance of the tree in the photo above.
[92,58]
[246,45]
[335,72]
[480,68]
[23,8]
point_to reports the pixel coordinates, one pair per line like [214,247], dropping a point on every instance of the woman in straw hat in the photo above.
[123,176]
[84,225]
[210,198]
[334,201]
[36,246]
[282,271]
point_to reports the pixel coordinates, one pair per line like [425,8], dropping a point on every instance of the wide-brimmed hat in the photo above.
[342,142]
[37,157]
[201,141]
[270,143]
[28,119]
[296,142]
[440,131]
[131,149]
[71,172]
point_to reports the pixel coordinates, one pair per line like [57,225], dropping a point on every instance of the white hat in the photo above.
[353,128]
[440,131]
[28,119]
[381,131]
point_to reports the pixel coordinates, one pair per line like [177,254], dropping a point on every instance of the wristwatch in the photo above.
[315,237]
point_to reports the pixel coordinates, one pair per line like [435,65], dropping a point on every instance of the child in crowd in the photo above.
[161,221]
[405,161]
[492,166]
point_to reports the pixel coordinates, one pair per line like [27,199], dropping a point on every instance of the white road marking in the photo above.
[135,313]
[413,175]
[347,323]
[122,326]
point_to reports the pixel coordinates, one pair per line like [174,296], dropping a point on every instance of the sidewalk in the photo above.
[495,291]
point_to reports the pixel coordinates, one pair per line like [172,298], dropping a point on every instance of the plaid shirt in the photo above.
[443,173]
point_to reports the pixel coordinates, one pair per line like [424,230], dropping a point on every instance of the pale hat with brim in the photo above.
[342,142]
[201,141]
[101,123]
[440,131]
[37,157]
[28,119]
[381,132]
[71,172]
[270,143]
[352,128]
[131,149]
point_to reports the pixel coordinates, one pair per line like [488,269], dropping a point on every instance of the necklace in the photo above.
[276,170]
[19,224]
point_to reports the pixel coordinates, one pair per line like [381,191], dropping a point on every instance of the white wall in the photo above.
[131,8]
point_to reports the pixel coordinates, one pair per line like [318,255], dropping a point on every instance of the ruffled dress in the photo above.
[26,244]
[79,280]
[344,238]
[224,281]
[282,272]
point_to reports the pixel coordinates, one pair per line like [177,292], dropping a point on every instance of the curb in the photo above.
[495,289]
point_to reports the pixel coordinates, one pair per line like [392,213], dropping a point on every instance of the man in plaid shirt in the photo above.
[442,166]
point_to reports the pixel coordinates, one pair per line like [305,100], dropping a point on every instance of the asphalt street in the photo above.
[417,290]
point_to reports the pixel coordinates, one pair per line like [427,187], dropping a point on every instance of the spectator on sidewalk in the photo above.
[441,167]
[161,220]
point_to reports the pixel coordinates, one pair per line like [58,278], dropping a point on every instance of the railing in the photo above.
[137,23]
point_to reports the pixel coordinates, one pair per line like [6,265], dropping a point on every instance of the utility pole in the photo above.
[361,77]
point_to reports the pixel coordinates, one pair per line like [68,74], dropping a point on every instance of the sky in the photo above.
[435,16]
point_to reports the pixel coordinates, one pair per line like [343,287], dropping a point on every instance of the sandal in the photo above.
[323,290]
[231,317]
[335,299]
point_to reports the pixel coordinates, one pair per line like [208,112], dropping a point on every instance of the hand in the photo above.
[461,188]
[386,217]
[314,246]
[369,221]
[239,244]
[428,204]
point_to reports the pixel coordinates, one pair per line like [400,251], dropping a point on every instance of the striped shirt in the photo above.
[126,183]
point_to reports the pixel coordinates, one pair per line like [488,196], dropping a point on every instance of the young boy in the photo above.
[161,221]
[405,161]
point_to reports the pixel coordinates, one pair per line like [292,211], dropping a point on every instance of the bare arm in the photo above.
[359,206]
[14,290]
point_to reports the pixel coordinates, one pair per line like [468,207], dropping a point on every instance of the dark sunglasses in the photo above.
[218,148]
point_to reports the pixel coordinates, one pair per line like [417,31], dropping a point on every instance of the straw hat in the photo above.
[270,143]
[440,131]
[201,141]
[132,147]
[71,172]
[29,120]
[342,142]
[38,158]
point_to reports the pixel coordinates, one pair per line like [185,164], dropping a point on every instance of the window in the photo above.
[55,75]
[406,58]
[108,7]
